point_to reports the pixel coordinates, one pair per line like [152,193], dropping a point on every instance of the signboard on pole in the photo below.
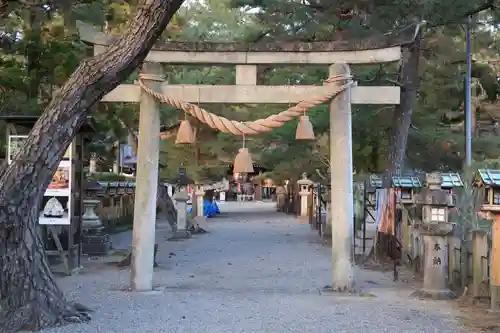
[56,204]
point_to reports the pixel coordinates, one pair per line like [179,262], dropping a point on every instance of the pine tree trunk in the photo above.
[30,298]
[409,81]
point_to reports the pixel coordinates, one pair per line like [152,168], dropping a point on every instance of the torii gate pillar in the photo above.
[341,207]
[148,154]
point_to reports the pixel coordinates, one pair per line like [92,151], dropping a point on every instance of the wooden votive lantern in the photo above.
[406,187]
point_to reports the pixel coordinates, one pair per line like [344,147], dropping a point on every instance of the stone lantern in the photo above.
[181,231]
[305,187]
[434,227]
[95,241]
[280,198]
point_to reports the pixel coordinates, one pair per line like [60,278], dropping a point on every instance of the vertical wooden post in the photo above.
[116,163]
[454,243]
[341,198]
[495,265]
[407,233]
[199,195]
[479,250]
[143,237]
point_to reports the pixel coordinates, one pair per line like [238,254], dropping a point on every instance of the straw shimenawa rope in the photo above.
[250,127]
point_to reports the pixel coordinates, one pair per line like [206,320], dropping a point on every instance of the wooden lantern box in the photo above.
[371,186]
[450,181]
[488,180]
[406,187]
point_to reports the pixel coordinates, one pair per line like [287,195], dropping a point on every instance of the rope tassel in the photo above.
[243,162]
[305,129]
[185,134]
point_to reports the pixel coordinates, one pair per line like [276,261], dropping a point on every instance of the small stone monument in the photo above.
[95,241]
[304,193]
[434,202]
[181,197]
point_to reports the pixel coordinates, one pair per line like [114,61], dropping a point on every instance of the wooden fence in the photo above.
[117,204]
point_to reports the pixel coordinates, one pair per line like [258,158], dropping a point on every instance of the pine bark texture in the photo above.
[410,82]
[29,297]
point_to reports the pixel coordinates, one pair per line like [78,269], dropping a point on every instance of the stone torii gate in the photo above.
[246,58]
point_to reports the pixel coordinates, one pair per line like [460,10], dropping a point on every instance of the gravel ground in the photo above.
[256,271]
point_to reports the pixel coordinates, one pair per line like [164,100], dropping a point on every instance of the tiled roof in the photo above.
[451,179]
[406,182]
[375,181]
[489,177]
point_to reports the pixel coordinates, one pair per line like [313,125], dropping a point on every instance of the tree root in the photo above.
[35,316]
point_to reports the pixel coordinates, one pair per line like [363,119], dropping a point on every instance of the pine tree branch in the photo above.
[6,6]
[489,4]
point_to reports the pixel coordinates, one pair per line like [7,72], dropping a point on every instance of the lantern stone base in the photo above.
[435,284]
[438,295]
[95,242]
[180,235]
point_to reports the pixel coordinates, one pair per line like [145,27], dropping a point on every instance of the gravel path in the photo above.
[254,272]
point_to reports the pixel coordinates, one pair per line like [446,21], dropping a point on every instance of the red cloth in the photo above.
[388,213]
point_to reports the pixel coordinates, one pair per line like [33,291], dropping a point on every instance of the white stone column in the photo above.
[199,194]
[143,236]
[304,209]
[304,194]
[342,210]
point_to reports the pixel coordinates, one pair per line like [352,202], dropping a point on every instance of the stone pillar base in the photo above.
[495,298]
[95,242]
[437,295]
[327,232]
[303,219]
[180,235]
